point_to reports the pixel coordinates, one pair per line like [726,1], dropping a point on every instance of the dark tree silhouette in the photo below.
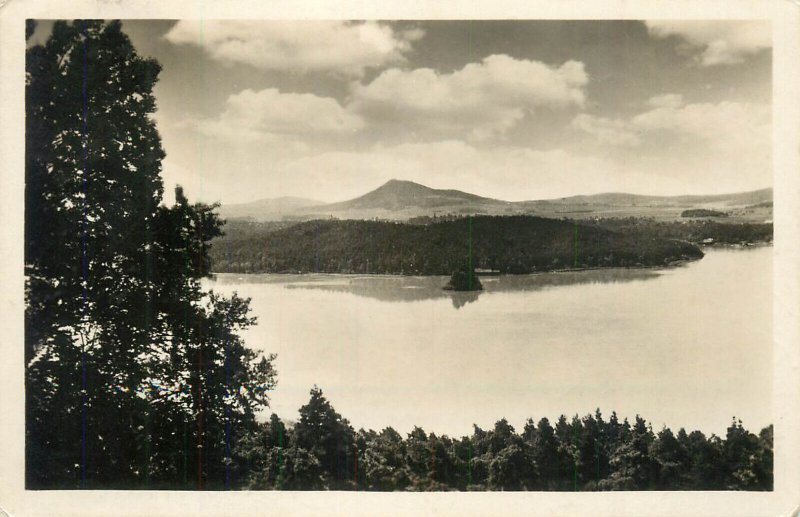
[583,454]
[135,377]
[464,279]
[329,437]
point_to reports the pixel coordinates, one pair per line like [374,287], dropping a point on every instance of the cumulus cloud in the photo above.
[721,43]
[345,48]
[478,102]
[726,127]
[269,115]
[482,99]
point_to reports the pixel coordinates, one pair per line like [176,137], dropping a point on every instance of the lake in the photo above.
[689,346]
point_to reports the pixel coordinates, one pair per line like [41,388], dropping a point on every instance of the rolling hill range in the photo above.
[404,200]
[622,199]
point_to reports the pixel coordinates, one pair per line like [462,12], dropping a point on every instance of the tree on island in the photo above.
[464,279]
[135,376]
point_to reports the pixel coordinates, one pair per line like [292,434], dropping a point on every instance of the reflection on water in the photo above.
[418,288]
[461,299]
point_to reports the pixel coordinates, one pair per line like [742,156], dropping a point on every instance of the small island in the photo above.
[464,279]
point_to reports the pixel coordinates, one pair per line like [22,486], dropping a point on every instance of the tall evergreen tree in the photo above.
[741,455]
[329,437]
[593,462]
[670,460]
[511,466]
[418,458]
[705,455]
[567,434]
[134,376]
[546,456]
[764,459]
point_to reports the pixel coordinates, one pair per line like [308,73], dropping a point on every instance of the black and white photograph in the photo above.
[518,256]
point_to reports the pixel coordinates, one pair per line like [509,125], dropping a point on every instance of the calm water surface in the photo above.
[689,346]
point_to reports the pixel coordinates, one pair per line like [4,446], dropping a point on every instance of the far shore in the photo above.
[671,265]
[674,264]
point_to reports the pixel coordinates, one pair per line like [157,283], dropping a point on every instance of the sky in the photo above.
[515,110]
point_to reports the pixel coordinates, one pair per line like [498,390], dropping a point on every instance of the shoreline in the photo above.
[735,246]
[675,264]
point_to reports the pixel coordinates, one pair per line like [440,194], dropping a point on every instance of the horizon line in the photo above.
[557,198]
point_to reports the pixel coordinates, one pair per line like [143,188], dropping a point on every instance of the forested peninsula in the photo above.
[504,244]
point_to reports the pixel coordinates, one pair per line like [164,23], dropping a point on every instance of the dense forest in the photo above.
[689,230]
[703,212]
[508,244]
[322,451]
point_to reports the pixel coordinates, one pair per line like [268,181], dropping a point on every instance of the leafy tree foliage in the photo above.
[136,377]
[383,461]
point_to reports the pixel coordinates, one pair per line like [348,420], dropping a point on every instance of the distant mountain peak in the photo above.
[398,194]
[396,183]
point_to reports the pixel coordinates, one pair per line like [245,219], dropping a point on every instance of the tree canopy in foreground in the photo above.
[589,453]
[135,377]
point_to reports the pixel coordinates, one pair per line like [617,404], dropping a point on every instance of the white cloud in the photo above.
[728,127]
[300,46]
[722,43]
[480,100]
[609,131]
[269,115]
[731,128]
[690,148]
